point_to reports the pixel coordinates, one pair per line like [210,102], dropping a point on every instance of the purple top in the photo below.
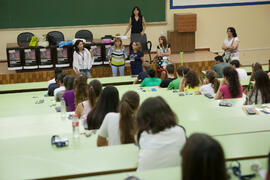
[69,99]
[225,91]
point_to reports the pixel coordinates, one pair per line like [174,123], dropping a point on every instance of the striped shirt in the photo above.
[117,56]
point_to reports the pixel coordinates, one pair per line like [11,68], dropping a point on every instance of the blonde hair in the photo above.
[121,43]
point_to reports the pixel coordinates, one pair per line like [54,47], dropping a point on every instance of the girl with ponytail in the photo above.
[119,128]
[211,83]
[93,93]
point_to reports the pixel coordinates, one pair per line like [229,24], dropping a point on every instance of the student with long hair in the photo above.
[117,55]
[230,86]
[211,83]
[203,159]
[108,102]
[159,137]
[190,82]
[255,67]
[82,59]
[136,58]
[69,93]
[119,128]
[80,89]
[83,108]
[260,94]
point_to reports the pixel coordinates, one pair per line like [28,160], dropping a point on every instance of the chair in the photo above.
[57,35]
[24,38]
[84,34]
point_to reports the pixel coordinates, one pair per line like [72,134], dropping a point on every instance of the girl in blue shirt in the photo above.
[136,58]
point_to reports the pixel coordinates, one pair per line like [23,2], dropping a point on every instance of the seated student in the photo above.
[170,76]
[69,93]
[142,75]
[190,82]
[119,128]
[136,58]
[203,159]
[260,94]
[80,88]
[57,71]
[219,66]
[230,86]
[255,67]
[211,83]
[241,72]
[60,81]
[108,102]
[152,80]
[160,138]
[181,71]
[53,83]
[83,108]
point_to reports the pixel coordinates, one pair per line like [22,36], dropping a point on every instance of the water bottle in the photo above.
[63,108]
[75,126]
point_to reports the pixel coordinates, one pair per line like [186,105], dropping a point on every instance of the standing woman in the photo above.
[82,59]
[230,46]
[138,27]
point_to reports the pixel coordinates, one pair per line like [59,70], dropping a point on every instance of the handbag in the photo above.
[227,54]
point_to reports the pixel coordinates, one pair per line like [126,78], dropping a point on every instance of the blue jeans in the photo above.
[86,71]
[121,70]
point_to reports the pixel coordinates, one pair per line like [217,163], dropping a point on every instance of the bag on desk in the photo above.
[33,42]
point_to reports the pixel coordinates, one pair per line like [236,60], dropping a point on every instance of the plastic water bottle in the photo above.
[75,126]
[63,108]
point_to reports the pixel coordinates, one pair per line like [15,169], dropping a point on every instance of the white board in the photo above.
[182,4]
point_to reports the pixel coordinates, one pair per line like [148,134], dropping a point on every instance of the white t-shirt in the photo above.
[61,88]
[207,89]
[110,128]
[82,60]
[161,150]
[234,53]
[242,74]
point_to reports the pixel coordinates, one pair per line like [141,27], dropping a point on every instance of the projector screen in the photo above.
[182,4]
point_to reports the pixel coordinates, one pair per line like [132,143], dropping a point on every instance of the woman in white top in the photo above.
[211,84]
[230,45]
[83,108]
[82,59]
[159,137]
[119,128]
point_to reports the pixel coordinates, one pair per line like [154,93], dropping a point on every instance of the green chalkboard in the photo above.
[52,13]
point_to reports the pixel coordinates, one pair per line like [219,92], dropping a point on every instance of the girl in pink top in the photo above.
[230,86]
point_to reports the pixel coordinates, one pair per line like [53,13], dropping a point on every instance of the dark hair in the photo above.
[212,77]
[232,29]
[170,68]
[76,45]
[192,79]
[108,102]
[69,82]
[80,89]
[182,70]
[151,72]
[234,84]
[94,91]
[60,77]
[219,58]
[132,12]
[255,67]
[236,63]
[155,115]
[127,107]
[164,41]
[268,171]
[262,84]
[57,71]
[203,159]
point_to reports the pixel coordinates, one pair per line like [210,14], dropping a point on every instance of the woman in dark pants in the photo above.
[138,27]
